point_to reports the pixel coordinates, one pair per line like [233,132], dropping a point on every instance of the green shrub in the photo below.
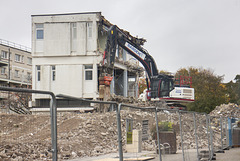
[165,126]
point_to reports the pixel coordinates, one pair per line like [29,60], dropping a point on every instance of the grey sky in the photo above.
[179,33]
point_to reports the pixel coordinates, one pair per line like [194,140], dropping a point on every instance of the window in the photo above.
[22,59]
[39,31]
[88,72]
[17,58]
[53,73]
[38,72]
[3,71]
[4,55]
[89,29]
[16,73]
[29,61]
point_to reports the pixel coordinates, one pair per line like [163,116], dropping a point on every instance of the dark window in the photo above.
[88,75]
[88,72]
[38,72]
[53,72]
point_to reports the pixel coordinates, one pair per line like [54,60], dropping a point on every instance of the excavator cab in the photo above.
[161,86]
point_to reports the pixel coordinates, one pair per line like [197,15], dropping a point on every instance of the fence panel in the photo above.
[170,135]
[138,126]
[202,132]
[86,135]
[128,131]
[235,132]
[188,134]
[24,136]
[217,129]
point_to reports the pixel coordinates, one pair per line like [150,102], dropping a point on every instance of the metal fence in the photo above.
[29,146]
[126,130]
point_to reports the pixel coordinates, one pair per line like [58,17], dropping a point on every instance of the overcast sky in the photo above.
[179,33]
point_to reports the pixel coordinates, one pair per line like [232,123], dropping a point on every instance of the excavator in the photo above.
[160,87]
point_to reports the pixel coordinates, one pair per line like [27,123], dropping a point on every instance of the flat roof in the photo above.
[62,14]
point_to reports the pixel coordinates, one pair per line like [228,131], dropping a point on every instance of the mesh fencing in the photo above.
[136,127]
[127,131]
[24,136]
[86,135]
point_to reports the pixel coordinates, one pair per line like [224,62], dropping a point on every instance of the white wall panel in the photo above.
[56,39]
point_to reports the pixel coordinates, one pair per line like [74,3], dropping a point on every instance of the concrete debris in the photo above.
[28,137]
[122,99]
[227,110]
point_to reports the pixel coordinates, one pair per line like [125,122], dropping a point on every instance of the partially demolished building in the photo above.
[67,52]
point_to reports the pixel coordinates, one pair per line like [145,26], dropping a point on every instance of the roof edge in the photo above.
[62,14]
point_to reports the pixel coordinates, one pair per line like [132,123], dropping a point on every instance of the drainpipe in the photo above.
[9,66]
[9,102]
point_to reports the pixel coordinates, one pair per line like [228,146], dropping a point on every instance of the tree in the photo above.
[208,87]
[233,90]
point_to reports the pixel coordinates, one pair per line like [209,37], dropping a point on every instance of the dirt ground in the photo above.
[28,137]
[87,134]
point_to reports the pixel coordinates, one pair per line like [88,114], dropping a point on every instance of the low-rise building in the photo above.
[67,54]
[15,67]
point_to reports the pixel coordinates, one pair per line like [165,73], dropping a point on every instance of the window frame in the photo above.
[3,71]
[4,54]
[16,73]
[53,68]
[38,69]
[39,31]
[22,58]
[88,68]
[16,58]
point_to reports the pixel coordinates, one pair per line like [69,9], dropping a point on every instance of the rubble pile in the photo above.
[122,99]
[28,137]
[227,110]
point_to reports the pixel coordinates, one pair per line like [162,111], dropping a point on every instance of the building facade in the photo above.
[15,65]
[15,69]
[67,52]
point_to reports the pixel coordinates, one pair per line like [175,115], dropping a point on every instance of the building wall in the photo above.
[72,44]
[14,72]
[69,43]
[20,66]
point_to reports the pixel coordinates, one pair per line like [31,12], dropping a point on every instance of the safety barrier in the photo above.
[128,130]
[12,138]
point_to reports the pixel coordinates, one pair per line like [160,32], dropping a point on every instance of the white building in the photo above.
[67,51]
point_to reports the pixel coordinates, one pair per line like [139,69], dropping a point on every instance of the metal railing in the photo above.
[15,45]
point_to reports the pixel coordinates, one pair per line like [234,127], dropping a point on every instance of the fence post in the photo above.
[221,133]
[195,132]
[180,124]
[207,124]
[226,131]
[158,138]
[119,132]
[211,136]
[53,111]
[230,131]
